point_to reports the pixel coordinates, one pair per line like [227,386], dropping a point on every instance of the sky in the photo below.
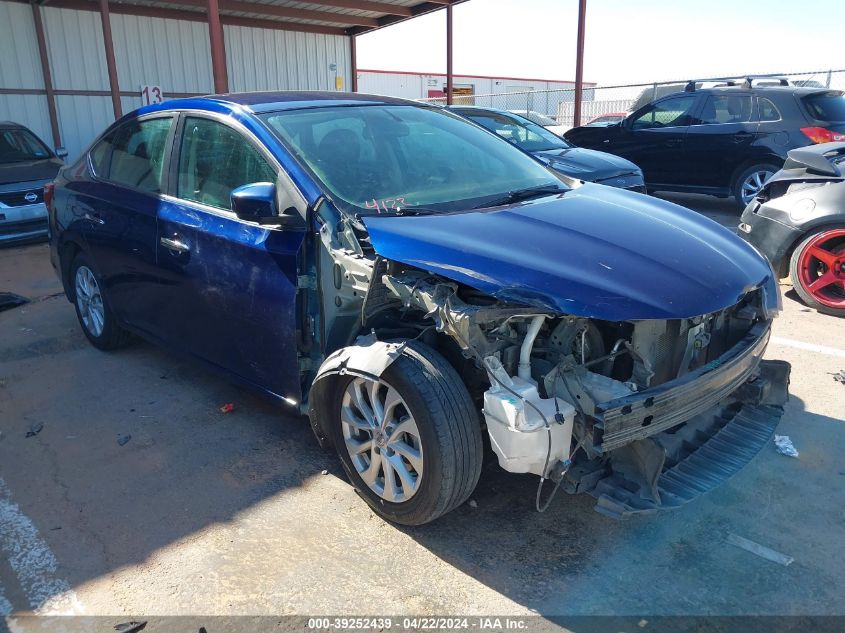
[627,41]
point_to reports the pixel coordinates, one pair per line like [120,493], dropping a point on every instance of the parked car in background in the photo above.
[412,282]
[720,141]
[545,120]
[26,166]
[798,222]
[604,120]
[557,153]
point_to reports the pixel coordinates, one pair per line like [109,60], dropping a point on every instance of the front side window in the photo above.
[726,109]
[214,159]
[18,145]
[671,112]
[521,132]
[133,155]
[373,159]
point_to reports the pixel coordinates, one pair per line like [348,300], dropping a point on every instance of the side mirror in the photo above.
[61,152]
[256,202]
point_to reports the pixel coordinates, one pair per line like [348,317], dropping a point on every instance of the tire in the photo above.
[92,309]
[817,270]
[432,414]
[750,177]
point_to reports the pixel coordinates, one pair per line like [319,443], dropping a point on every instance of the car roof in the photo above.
[801,90]
[281,100]
[11,124]
[475,108]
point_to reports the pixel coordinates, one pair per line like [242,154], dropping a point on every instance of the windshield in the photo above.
[18,145]
[828,106]
[378,159]
[526,135]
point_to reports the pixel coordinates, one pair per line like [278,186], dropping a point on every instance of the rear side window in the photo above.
[133,155]
[768,110]
[214,160]
[726,109]
[828,106]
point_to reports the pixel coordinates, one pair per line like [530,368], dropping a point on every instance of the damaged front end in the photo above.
[608,369]
[643,415]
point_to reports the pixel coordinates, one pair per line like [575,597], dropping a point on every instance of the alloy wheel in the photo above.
[821,268]
[753,183]
[89,300]
[382,439]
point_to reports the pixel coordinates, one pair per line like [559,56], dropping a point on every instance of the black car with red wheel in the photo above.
[798,222]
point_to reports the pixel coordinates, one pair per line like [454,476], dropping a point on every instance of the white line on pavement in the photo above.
[33,562]
[810,347]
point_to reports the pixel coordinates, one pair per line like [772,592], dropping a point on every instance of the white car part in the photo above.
[524,370]
[525,438]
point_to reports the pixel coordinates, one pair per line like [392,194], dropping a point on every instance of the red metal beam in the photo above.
[449,74]
[364,5]
[218,51]
[579,61]
[301,14]
[353,55]
[111,66]
[45,71]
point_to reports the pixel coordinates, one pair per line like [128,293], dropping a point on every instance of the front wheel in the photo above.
[748,183]
[410,439]
[817,269]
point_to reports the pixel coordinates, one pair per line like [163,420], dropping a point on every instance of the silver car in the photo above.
[26,165]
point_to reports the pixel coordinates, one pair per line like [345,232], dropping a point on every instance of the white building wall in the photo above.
[173,54]
[263,59]
[20,67]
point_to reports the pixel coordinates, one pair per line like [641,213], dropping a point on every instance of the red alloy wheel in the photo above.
[821,268]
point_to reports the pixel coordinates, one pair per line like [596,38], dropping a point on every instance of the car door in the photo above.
[229,285]
[653,138]
[118,208]
[720,140]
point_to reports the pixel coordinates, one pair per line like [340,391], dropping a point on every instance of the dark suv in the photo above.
[720,141]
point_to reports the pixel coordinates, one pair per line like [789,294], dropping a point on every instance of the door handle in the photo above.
[96,219]
[174,244]
[741,137]
[606,141]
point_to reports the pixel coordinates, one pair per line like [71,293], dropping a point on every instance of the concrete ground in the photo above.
[202,512]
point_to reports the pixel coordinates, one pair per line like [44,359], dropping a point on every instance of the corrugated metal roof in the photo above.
[351,16]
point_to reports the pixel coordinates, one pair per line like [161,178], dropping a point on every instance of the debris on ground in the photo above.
[130,627]
[760,550]
[9,300]
[473,503]
[123,439]
[839,376]
[35,429]
[785,446]
[228,407]
[324,472]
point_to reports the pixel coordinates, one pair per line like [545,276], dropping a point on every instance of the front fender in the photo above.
[368,358]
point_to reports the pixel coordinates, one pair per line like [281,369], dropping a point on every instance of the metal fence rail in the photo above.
[560,104]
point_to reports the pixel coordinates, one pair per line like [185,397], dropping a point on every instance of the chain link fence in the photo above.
[606,101]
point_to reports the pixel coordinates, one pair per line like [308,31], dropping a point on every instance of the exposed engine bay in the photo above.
[617,409]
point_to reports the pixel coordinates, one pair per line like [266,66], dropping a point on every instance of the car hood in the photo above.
[596,252]
[587,164]
[44,169]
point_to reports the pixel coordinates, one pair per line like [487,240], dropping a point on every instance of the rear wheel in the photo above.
[409,440]
[817,269]
[92,310]
[749,182]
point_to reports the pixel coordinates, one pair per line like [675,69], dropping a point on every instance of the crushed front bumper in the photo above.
[665,446]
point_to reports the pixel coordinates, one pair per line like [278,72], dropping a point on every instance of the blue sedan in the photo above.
[412,282]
